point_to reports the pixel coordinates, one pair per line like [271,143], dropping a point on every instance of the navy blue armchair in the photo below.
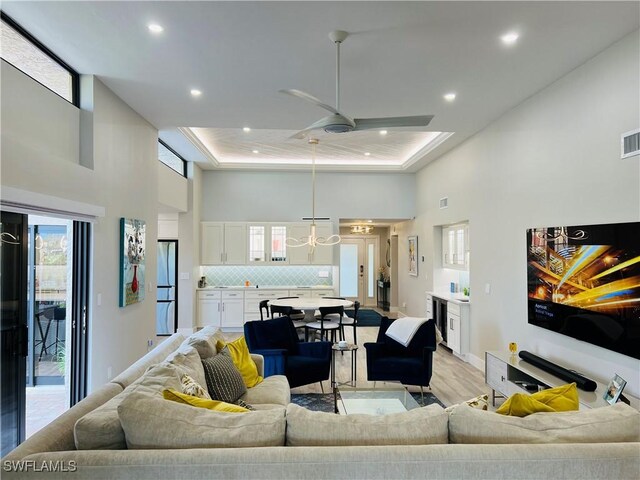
[388,360]
[277,341]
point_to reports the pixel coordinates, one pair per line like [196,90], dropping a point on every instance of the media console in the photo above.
[507,374]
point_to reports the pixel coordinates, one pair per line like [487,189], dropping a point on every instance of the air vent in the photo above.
[444,202]
[317,218]
[630,143]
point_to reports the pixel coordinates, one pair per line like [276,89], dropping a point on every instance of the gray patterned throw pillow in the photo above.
[224,381]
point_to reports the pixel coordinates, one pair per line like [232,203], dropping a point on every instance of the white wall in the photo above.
[172,190]
[553,160]
[189,256]
[123,181]
[286,196]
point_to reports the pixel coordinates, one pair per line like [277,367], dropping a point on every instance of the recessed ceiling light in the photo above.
[449,97]
[383,132]
[195,92]
[366,154]
[155,28]
[255,151]
[246,129]
[370,221]
[509,38]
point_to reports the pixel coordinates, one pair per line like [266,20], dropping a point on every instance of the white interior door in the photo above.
[358,269]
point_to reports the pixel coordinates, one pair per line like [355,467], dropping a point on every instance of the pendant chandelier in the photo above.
[361,229]
[312,240]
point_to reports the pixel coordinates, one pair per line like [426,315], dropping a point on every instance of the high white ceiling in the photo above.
[400,58]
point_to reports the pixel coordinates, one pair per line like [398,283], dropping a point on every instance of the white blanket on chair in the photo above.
[403,329]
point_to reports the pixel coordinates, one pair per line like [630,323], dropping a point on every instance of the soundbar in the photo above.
[583,383]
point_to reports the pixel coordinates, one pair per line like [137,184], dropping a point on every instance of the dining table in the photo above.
[310,305]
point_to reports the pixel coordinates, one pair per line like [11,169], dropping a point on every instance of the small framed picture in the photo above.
[413,255]
[614,389]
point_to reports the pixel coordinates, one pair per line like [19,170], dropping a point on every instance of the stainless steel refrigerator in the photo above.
[167,304]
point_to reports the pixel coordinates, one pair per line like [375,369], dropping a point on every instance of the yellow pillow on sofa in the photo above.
[559,399]
[175,396]
[241,358]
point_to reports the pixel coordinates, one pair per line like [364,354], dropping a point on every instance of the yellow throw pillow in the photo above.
[559,399]
[175,396]
[242,360]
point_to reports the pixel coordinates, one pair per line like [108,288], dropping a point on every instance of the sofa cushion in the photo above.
[420,426]
[155,356]
[224,381]
[272,390]
[203,341]
[559,399]
[149,422]
[217,405]
[100,429]
[187,359]
[241,357]
[615,423]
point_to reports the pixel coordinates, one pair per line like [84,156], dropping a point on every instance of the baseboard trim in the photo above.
[475,361]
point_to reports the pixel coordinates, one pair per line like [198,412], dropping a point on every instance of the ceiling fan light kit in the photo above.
[338,122]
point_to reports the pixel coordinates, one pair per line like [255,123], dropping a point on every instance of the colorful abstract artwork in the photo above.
[132,257]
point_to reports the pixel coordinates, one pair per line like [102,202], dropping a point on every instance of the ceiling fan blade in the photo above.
[309,98]
[391,122]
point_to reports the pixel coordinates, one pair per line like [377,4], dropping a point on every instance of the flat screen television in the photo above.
[584,282]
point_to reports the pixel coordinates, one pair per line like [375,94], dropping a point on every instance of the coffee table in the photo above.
[381,400]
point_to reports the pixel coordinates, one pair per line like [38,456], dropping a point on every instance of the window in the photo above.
[28,55]
[171,159]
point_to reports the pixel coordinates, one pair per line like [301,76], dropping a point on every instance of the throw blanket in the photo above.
[403,329]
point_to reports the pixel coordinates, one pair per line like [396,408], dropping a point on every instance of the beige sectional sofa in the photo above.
[165,440]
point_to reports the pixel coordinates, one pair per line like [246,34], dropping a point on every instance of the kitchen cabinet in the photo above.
[267,243]
[455,246]
[223,243]
[451,315]
[232,310]
[252,299]
[322,255]
[221,308]
[209,308]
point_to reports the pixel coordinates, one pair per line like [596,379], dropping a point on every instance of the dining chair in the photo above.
[350,322]
[324,324]
[295,314]
[264,305]
[334,315]
[281,311]
[296,317]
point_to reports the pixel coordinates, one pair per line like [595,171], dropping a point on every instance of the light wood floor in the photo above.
[453,380]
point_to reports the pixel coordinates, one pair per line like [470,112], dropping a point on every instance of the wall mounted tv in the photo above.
[584,282]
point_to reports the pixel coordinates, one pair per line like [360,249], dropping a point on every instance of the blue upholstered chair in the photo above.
[388,360]
[301,362]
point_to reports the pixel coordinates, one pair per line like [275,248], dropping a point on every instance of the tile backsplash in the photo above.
[285,275]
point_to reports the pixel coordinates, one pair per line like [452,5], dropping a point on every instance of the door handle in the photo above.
[20,340]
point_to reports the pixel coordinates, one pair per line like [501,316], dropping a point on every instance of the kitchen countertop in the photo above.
[267,287]
[458,298]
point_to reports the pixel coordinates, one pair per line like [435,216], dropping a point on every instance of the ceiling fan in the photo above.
[338,122]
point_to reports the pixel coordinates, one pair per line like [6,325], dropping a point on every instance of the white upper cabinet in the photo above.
[240,243]
[267,243]
[322,255]
[223,243]
[455,246]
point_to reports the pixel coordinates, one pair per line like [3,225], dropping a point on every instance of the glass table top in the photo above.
[381,400]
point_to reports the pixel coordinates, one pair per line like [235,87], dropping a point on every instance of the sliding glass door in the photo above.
[13,288]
